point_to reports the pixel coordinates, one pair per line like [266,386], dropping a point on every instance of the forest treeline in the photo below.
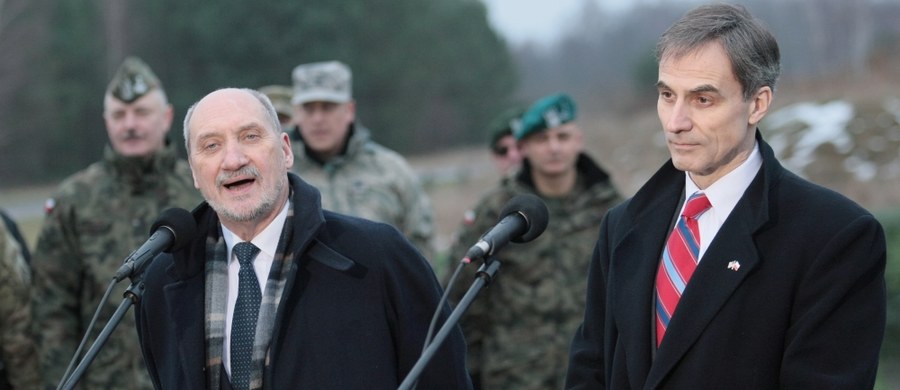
[427,74]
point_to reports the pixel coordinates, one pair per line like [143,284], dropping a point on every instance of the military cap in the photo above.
[322,82]
[132,80]
[280,96]
[505,124]
[547,113]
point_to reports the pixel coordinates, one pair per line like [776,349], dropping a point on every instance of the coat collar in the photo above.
[185,293]
[635,258]
[307,204]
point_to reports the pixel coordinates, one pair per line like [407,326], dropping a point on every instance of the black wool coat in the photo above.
[805,309]
[354,313]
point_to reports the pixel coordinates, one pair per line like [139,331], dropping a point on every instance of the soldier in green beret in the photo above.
[518,330]
[336,154]
[95,219]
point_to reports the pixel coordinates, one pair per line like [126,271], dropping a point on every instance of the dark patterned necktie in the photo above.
[246,312]
[679,260]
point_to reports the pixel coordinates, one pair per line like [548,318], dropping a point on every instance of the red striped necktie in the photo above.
[679,260]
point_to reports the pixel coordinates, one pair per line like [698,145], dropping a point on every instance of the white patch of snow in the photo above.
[861,169]
[826,123]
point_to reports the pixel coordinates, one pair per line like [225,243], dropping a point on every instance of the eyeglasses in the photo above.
[500,150]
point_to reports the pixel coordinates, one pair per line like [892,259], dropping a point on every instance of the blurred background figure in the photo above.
[95,219]
[337,155]
[517,329]
[19,367]
[504,150]
[280,95]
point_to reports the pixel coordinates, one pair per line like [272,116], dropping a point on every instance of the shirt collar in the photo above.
[266,240]
[724,193]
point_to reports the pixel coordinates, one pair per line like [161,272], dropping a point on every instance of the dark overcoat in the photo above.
[790,293]
[354,313]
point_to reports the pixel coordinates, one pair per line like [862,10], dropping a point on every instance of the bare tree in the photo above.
[22,31]
[115,18]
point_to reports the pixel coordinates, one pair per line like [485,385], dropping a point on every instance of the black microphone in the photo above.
[524,218]
[173,229]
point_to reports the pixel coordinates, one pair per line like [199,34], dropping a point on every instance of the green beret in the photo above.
[547,113]
[132,80]
[505,124]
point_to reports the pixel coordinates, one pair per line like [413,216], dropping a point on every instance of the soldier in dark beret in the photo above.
[504,150]
[95,219]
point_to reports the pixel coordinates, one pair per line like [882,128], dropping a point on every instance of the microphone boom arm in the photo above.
[483,278]
[132,296]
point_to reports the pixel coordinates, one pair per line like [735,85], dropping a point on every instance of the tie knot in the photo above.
[245,252]
[696,205]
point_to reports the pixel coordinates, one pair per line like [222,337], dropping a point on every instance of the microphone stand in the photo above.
[483,277]
[131,296]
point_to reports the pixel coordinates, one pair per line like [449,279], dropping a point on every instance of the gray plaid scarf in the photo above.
[217,284]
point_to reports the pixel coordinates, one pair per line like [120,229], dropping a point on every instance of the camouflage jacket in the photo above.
[17,347]
[94,220]
[518,330]
[372,182]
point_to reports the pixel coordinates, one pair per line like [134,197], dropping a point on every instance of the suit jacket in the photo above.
[353,315]
[804,308]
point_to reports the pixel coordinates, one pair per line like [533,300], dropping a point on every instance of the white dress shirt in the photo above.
[723,195]
[267,242]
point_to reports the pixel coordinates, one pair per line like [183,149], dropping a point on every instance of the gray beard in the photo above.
[265,207]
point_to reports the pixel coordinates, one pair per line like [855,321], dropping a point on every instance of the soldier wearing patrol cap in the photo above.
[336,154]
[280,96]
[95,219]
[518,331]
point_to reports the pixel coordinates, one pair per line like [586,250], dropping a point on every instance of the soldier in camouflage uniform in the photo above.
[19,353]
[504,147]
[518,330]
[280,95]
[337,155]
[95,219]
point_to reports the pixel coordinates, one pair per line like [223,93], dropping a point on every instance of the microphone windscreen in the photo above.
[535,212]
[180,222]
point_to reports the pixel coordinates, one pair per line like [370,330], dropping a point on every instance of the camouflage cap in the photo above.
[322,82]
[280,96]
[132,80]
[505,124]
[547,113]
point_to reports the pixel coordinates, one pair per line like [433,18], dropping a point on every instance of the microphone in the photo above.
[173,229]
[524,217]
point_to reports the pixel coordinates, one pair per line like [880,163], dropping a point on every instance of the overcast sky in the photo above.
[540,21]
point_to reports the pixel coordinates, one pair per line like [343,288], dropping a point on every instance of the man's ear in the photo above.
[761,102]
[288,151]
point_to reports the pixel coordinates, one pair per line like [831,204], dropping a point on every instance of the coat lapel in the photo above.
[709,289]
[634,260]
[716,278]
